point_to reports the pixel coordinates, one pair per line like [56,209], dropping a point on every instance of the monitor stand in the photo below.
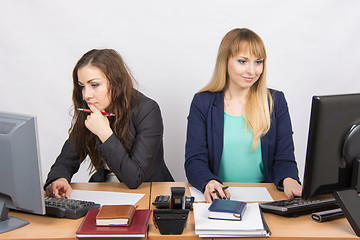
[349,200]
[9,223]
[355,178]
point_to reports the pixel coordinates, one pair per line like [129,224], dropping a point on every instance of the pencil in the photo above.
[89,111]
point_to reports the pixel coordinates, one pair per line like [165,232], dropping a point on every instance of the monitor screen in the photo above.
[333,133]
[20,171]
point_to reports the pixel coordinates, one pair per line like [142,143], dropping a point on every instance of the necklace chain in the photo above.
[228,105]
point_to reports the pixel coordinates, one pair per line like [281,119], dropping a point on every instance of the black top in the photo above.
[144,163]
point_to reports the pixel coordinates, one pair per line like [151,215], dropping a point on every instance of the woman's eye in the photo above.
[241,61]
[95,85]
[259,61]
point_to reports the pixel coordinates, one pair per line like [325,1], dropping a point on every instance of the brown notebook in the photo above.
[115,215]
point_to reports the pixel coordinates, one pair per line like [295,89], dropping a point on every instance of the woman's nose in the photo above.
[87,93]
[250,68]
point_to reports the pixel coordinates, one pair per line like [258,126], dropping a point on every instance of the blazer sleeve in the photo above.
[197,166]
[132,167]
[284,158]
[66,164]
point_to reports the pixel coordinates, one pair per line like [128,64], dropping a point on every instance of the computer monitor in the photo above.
[333,149]
[20,171]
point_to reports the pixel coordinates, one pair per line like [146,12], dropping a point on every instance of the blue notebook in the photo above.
[227,209]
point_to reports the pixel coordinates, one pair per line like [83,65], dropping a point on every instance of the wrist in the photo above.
[105,135]
[63,180]
[288,181]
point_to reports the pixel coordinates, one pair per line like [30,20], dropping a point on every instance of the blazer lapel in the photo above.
[265,140]
[218,129]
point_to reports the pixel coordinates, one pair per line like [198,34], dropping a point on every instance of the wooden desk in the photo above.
[281,227]
[42,227]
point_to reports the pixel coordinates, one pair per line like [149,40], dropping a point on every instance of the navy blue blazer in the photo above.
[204,141]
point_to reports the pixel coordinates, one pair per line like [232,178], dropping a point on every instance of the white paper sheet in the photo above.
[107,198]
[250,225]
[246,194]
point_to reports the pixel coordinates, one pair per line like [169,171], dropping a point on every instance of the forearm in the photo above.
[65,166]
[198,173]
[56,173]
[130,168]
[197,156]
[284,160]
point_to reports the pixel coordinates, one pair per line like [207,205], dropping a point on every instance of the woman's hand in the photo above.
[214,190]
[292,188]
[59,188]
[98,124]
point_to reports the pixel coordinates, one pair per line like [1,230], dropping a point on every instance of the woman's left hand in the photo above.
[98,124]
[292,188]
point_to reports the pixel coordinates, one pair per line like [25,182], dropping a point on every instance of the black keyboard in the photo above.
[68,208]
[297,206]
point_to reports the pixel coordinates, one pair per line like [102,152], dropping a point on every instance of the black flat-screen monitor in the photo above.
[20,171]
[333,148]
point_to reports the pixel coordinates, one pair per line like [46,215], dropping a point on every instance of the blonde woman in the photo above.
[238,129]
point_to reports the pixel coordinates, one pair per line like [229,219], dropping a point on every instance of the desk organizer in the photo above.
[170,221]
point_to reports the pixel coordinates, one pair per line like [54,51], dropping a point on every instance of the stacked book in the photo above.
[247,222]
[114,221]
[227,209]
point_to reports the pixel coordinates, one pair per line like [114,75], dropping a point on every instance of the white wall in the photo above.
[170,46]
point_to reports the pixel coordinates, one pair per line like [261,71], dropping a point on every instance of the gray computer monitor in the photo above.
[20,170]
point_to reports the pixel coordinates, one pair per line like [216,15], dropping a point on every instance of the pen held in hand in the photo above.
[226,187]
[89,111]
[217,193]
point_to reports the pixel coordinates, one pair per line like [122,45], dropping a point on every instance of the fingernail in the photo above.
[224,198]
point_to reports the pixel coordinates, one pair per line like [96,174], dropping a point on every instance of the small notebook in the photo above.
[227,209]
[115,215]
[138,227]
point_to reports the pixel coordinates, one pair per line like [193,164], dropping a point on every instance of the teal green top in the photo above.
[238,162]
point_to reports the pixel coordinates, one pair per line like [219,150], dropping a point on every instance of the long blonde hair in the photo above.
[259,103]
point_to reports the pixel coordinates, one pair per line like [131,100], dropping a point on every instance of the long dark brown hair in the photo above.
[122,96]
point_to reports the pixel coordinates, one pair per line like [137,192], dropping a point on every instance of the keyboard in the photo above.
[68,208]
[297,206]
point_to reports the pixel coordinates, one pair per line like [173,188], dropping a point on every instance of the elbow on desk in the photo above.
[133,184]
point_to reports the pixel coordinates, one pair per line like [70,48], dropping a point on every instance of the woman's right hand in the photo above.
[98,124]
[60,188]
[214,190]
